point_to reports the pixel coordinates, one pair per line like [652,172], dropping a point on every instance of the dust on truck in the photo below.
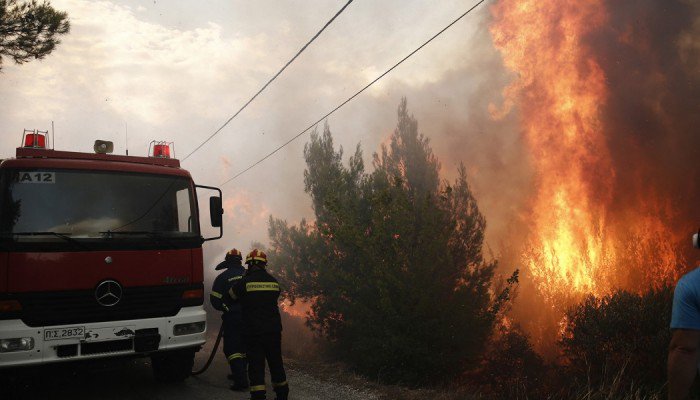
[101,256]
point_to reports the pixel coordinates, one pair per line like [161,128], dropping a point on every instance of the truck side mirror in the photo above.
[215,211]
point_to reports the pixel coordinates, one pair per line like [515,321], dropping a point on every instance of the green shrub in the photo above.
[621,337]
[393,262]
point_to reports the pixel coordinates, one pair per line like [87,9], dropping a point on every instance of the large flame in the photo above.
[577,244]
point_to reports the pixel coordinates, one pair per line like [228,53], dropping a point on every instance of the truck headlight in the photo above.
[16,344]
[188,329]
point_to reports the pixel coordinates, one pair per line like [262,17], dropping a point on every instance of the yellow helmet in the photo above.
[234,254]
[256,255]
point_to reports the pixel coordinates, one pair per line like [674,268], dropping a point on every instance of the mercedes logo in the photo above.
[108,293]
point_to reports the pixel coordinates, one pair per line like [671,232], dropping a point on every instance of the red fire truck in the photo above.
[100,256]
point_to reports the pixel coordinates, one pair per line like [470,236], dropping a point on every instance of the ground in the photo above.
[132,379]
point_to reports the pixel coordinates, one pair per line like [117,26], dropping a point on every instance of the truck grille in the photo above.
[73,307]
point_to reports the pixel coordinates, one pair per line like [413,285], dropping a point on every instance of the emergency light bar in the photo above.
[161,149]
[34,138]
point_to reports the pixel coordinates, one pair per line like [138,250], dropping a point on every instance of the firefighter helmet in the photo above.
[256,256]
[234,254]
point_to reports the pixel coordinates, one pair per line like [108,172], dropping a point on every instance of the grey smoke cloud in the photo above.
[177,70]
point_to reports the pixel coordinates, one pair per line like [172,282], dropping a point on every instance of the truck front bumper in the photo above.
[186,329]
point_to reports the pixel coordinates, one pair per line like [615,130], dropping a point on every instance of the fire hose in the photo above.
[213,352]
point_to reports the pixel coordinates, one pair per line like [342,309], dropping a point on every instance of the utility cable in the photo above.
[349,99]
[271,79]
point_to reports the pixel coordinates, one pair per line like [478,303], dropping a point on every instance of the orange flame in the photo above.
[576,244]
[299,309]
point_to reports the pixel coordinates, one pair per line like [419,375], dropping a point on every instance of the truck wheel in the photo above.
[172,366]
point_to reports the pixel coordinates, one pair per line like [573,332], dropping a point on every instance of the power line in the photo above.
[271,79]
[349,99]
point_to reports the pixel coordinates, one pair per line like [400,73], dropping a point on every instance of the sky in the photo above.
[136,71]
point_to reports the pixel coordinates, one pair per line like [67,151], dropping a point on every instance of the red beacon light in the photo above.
[35,138]
[161,149]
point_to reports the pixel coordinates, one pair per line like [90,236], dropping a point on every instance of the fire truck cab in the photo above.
[100,256]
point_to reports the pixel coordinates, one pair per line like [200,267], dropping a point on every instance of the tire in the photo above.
[172,366]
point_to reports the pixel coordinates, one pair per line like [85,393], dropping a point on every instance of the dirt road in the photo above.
[132,379]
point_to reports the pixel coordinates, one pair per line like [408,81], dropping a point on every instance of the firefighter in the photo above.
[232,319]
[258,293]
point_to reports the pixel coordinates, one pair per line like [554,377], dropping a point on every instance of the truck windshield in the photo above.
[48,203]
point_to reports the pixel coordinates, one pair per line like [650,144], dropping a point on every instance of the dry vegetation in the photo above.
[340,374]
[298,342]
[600,360]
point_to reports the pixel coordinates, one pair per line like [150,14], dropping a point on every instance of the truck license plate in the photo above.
[73,332]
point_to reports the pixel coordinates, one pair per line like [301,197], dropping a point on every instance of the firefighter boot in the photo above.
[281,390]
[239,373]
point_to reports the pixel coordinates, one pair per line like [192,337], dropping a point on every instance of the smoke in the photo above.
[651,118]
[647,53]
[648,56]
[453,113]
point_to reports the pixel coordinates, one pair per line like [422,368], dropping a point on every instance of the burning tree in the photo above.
[394,260]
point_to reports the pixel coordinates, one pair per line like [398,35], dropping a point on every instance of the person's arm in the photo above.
[228,301]
[682,362]
[216,296]
[237,290]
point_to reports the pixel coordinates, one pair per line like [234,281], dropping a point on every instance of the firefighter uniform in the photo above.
[232,318]
[258,293]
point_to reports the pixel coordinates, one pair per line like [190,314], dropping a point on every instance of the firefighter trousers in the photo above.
[260,348]
[234,349]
